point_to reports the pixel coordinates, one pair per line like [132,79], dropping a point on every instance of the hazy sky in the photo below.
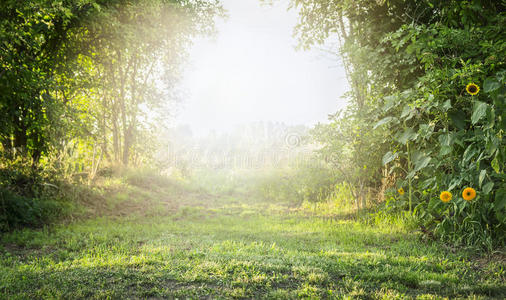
[251,72]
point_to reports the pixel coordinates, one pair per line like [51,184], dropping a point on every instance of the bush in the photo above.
[19,211]
[29,196]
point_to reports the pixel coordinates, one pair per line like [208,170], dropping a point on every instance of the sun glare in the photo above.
[252,72]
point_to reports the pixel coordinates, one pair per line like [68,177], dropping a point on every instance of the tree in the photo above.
[34,48]
[135,56]
[90,69]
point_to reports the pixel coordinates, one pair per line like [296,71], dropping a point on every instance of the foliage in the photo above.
[351,148]
[456,139]
[19,211]
[34,49]
[26,197]
[409,63]
[130,67]
[78,77]
[68,66]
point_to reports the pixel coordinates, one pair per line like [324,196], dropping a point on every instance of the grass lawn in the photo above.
[197,245]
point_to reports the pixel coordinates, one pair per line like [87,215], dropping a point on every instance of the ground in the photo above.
[196,244]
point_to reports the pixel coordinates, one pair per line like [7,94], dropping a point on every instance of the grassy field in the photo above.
[162,241]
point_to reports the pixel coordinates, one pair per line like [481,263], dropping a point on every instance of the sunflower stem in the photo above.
[409,179]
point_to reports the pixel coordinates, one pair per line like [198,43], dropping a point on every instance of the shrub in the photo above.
[19,211]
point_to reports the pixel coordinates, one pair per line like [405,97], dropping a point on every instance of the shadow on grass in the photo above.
[219,246]
[239,269]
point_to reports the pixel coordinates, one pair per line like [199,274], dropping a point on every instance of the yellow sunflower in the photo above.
[472,89]
[445,196]
[468,194]
[400,191]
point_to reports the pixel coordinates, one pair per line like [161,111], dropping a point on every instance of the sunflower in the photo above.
[445,196]
[472,89]
[468,194]
[400,191]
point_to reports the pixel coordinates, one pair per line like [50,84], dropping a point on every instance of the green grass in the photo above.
[191,244]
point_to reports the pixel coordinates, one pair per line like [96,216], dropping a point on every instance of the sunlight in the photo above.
[185,149]
[252,72]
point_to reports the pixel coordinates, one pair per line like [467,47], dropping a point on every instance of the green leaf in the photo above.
[495,164]
[469,153]
[422,163]
[408,135]
[425,130]
[483,173]
[487,188]
[446,139]
[458,119]
[455,182]
[490,85]
[500,199]
[383,121]
[97,7]
[479,111]
[407,112]
[433,203]
[490,121]
[447,105]
[390,101]
[388,157]
[445,150]
[428,183]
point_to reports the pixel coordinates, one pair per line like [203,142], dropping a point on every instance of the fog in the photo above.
[251,72]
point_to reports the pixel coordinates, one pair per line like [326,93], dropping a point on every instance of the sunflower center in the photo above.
[469,193]
[472,89]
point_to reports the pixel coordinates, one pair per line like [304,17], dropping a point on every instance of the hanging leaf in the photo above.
[446,139]
[500,199]
[479,111]
[495,164]
[408,135]
[490,85]
[487,188]
[458,119]
[469,153]
[483,173]
[428,183]
[445,150]
[455,182]
[390,101]
[384,121]
[388,157]
[407,112]
[422,163]
[447,105]
[425,130]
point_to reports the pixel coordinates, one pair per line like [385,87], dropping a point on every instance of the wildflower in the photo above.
[468,194]
[400,191]
[445,196]
[472,89]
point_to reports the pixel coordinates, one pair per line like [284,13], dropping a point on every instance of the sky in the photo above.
[250,72]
